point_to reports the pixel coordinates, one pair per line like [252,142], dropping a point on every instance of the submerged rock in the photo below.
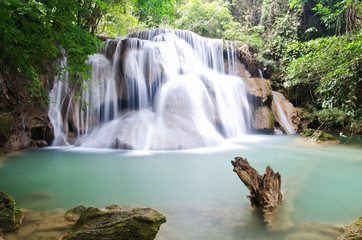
[353,231]
[10,214]
[114,223]
[319,136]
[265,191]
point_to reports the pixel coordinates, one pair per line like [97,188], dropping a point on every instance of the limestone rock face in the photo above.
[260,97]
[265,191]
[114,223]
[260,90]
[10,214]
[353,231]
[263,119]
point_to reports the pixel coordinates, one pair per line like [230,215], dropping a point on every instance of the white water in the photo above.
[281,114]
[157,89]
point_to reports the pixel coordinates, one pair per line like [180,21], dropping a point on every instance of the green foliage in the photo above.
[34,32]
[118,21]
[252,35]
[153,12]
[285,33]
[208,19]
[331,68]
[342,15]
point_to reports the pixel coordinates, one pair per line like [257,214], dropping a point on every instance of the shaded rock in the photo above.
[263,119]
[10,214]
[265,191]
[6,123]
[246,54]
[318,136]
[113,223]
[353,231]
[74,213]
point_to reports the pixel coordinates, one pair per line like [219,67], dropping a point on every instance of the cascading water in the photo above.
[154,89]
[281,113]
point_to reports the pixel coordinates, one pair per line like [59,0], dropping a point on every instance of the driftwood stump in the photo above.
[265,194]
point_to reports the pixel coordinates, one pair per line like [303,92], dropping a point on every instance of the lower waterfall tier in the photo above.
[168,92]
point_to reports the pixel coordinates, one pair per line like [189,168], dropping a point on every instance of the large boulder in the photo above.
[10,214]
[263,119]
[114,223]
[353,231]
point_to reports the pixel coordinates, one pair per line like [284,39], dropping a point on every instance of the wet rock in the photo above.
[259,96]
[353,231]
[10,214]
[265,191]
[74,213]
[114,223]
[263,120]
[291,124]
[318,136]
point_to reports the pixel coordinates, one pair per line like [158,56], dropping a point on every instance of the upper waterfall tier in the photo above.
[154,89]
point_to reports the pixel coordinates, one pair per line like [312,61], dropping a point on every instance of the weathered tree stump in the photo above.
[265,193]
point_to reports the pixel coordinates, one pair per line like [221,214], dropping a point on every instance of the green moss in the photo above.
[307,133]
[353,231]
[6,122]
[271,119]
[10,213]
[318,136]
[136,224]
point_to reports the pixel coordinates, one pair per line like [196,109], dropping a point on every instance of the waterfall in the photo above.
[281,113]
[153,89]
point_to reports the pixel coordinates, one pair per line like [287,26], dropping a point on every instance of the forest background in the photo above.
[313,48]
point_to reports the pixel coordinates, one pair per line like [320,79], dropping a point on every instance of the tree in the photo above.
[153,12]
[208,19]
[35,32]
[331,68]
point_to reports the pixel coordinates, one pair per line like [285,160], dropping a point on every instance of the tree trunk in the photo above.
[265,194]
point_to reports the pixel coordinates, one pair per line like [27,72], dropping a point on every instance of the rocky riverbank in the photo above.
[78,223]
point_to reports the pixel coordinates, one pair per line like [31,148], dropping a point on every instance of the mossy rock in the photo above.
[136,224]
[74,213]
[10,214]
[319,136]
[271,119]
[6,123]
[353,231]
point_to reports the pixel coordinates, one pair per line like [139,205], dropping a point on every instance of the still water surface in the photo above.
[197,189]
